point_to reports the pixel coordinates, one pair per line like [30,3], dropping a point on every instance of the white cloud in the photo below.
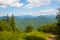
[36,13]
[5,14]
[17,4]
[14,3]
[3,6]
[46,12]
[49,11]
[58,0]
[7,2]
[37,3]
[41,12]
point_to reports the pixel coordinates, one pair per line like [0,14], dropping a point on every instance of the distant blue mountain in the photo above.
[51,16]
[29,16]
[22,23]
[36,21]
[25,16]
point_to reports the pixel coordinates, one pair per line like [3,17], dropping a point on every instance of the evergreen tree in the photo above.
[12,22]
[7,19]
[58,23]
[29,29]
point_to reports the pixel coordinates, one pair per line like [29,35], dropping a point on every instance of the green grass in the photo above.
[21,36]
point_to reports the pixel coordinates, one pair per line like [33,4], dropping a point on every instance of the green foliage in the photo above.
[12,23]
[34,38]
[58,23]
[23,36]
[8,35]
[29,29]
[4,26]
[7,19]
[48,28]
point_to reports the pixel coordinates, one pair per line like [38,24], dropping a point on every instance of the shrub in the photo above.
[33,38]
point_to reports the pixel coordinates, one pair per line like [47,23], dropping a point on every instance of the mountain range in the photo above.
[35,21]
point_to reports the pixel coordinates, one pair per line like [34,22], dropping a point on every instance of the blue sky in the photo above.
[29,7]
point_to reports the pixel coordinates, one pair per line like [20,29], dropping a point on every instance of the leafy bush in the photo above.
[49,28]
[4,26]
[33,38]
[29,28]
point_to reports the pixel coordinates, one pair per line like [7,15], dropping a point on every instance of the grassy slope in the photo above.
[20,36]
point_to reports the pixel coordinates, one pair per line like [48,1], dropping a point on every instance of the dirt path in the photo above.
[53,37]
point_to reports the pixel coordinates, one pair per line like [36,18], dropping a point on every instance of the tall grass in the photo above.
[23,36]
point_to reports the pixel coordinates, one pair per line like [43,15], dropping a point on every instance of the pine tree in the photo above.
[58,23]
[7,19]
[12,22]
